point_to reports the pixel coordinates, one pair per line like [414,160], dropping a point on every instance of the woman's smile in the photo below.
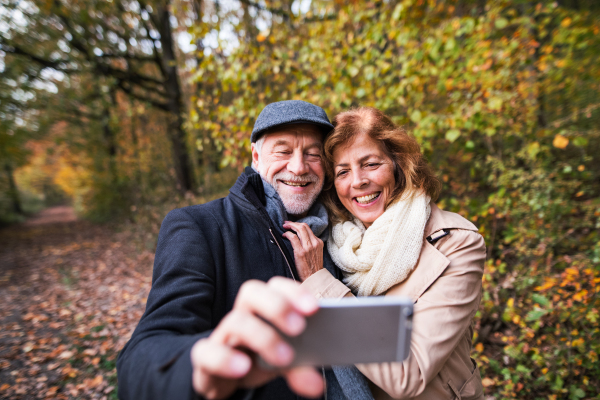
[368,199]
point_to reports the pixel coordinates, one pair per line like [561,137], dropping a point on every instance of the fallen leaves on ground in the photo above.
[71,293]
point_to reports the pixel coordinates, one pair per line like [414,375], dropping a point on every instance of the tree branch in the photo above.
[272,10]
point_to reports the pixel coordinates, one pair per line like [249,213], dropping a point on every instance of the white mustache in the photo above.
[288,177]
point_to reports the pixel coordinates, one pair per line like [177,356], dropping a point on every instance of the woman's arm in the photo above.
[442,315]
[441,318]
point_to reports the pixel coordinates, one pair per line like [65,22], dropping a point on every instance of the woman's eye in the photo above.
[372,164]
[341,173]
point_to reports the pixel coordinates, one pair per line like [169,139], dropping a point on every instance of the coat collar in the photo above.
[432,262]
[440,219]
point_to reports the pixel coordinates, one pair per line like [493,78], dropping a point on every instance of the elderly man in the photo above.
[213,286]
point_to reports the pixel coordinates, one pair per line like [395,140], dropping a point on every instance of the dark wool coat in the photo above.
[204,254]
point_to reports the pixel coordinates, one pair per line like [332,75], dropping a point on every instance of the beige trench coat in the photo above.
[446,288]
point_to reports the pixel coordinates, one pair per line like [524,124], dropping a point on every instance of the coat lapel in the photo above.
[430,266]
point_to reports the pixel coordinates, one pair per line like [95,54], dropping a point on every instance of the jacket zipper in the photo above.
[283,254]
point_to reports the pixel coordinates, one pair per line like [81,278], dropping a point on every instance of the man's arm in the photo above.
[155,364]
[174,354]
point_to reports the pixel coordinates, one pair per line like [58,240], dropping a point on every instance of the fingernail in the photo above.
[239,364]
[307,303]
[285,353]
[295,323]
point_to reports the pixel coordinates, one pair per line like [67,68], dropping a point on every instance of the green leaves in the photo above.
[485,93]
[452,135]
[501,23]
[540,299]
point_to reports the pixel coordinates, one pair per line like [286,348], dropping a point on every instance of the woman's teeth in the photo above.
[295,183]
[367,199]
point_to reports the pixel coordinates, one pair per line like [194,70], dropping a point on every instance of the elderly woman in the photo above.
[389,238]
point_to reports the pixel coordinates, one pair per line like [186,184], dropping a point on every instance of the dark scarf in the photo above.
[316,217]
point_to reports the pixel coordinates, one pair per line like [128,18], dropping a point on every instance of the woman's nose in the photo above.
[359,181]
[297,164]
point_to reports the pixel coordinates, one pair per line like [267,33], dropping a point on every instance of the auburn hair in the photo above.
[411,170]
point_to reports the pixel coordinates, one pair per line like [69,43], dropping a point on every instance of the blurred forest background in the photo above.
[128,108]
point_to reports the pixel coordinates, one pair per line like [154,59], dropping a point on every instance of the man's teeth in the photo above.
[367,199]
[295,183]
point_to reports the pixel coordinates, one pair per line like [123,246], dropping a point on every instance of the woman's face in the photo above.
[363,178]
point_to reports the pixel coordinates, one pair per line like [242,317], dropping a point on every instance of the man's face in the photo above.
[291,161]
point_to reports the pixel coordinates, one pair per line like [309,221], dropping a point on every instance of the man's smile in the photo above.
[295,184]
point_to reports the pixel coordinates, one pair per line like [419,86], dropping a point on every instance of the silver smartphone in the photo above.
[355,330]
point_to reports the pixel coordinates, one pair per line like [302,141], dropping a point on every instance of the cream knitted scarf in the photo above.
[375,259]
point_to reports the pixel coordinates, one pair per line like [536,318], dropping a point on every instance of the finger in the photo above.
[271,304]
[302,230]
[246,330]
[302,300]
[295,241]
[310,236]
[305,381]
[216,368]
[214,358]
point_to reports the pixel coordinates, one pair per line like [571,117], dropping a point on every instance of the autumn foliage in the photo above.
[503,96]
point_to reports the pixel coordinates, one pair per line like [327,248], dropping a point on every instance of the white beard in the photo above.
[295,204]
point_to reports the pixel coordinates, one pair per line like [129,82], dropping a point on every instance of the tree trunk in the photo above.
[181,159]
[109,142]
[13,192]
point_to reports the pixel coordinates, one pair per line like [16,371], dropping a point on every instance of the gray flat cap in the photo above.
[289,112]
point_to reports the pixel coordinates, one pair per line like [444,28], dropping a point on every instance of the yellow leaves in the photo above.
[561,63]
[560,142]
[542,66]
[262,36]
[549,283]
[487,382]
[544,371]
[571,272]
[479,347]
[566,22]
[510,303]
[495,103]
[516,319]
[580,296]
[577,342]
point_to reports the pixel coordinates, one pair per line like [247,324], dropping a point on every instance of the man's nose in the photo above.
[297,164]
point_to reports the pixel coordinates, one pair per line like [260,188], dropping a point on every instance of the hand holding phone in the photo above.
[355,330]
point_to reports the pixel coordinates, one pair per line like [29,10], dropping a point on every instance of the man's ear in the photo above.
[255,155]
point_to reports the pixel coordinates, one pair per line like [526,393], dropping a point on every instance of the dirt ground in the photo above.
[71,293]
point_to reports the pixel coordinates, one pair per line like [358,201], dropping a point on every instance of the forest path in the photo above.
[71,293]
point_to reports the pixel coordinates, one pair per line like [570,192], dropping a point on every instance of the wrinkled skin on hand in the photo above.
[308,249]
